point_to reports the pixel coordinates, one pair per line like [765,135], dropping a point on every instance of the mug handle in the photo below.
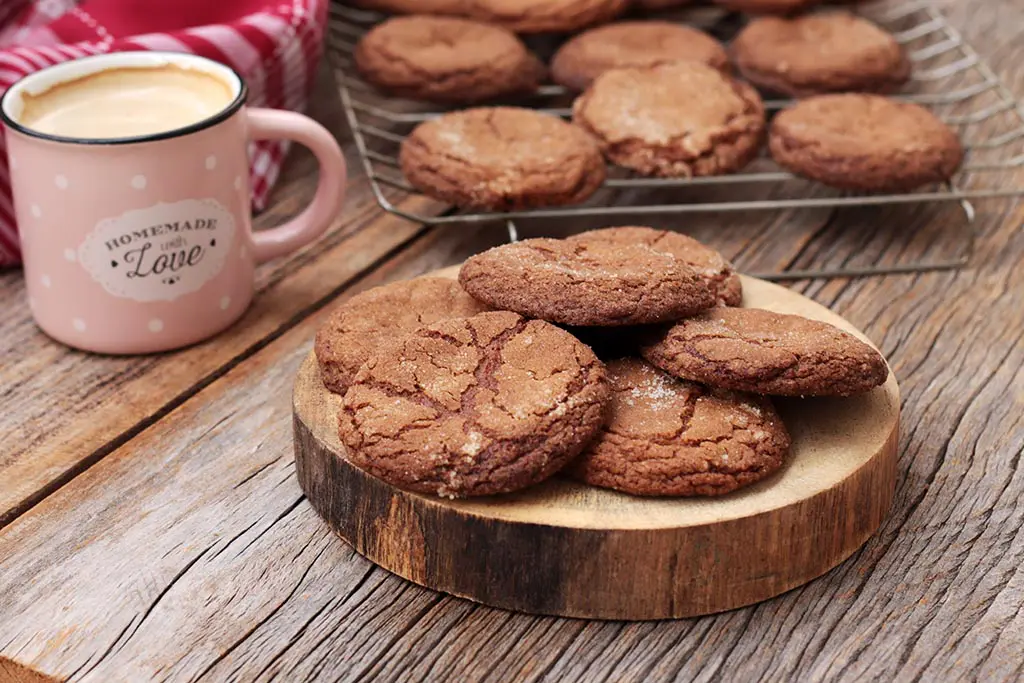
[274,124]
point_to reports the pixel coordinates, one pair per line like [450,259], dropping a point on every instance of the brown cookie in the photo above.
[474,406]
[445,59]
[819,53]
[864,142]
[709,264]
[767,6]
[632,44]
[578,283]
[445,7]
[670,437]
[357,327]
[748,349]
[546,16]
[681,119]
[502,158]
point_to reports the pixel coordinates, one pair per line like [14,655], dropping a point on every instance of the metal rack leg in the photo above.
[513,233]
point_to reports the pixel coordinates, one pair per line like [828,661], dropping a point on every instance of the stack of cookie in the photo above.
[619,357]
[655,97]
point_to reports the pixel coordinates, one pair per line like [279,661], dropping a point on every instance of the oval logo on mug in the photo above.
[161,252]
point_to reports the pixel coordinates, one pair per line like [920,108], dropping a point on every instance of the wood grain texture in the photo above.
[186,553]
[620,556]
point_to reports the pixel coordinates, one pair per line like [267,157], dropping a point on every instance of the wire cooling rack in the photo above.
[949,78]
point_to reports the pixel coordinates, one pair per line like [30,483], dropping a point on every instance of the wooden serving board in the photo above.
[567,549]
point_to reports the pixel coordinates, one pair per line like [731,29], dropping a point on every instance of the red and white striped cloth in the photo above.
[274,45]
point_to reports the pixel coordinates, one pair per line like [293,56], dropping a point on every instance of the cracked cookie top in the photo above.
[708,263]
[670,437]
[817,53]
[632,43]
[502,158]
[356,327]
[474,406]
[589,284]
[676,119]
[445,59]
[749,349]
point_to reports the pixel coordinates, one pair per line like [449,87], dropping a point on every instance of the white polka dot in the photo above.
[14,162]
[211,162]
[61,182]
[46,280]
[78,324]
[139,182]
[36,211]
[70,255]
[156,325]
[225,301]
[238,182]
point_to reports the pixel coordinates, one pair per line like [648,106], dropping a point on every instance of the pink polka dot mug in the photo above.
[136,241]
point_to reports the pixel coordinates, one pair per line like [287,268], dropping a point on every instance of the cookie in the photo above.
[546,16]
[749,349]
[502,158]
[767,6]
[864,142]
[474,406]
[682,119]
[819,53]
[586,284]
[357,327]
[709,264]
[445,7]
[632,44]
[670,437]
[446,59]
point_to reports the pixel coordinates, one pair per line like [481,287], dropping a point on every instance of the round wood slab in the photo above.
[567,549]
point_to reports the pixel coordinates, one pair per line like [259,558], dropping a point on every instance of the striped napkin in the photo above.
[274,45]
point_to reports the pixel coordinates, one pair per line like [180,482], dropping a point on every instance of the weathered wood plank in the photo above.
[66,409]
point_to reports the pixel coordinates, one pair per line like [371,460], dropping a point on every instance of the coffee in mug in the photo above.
[126,102]
[131,190]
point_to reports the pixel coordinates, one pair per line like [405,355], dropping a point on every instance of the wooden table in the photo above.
[153,527]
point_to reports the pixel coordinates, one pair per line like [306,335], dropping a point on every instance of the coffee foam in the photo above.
[126,102]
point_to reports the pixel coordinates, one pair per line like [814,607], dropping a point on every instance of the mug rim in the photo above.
[170,57]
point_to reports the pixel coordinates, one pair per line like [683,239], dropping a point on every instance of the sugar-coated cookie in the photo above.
[474,406]
[864,142]
[588,284]
[446,59]
[632,44]
[357,327]
[708,263]
[763,352]
[669,437]
[681,119]
[819,53]
[502,158]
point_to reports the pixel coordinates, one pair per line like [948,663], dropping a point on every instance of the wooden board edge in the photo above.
[403,535]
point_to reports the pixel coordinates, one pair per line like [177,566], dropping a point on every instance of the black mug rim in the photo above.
[224,114]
